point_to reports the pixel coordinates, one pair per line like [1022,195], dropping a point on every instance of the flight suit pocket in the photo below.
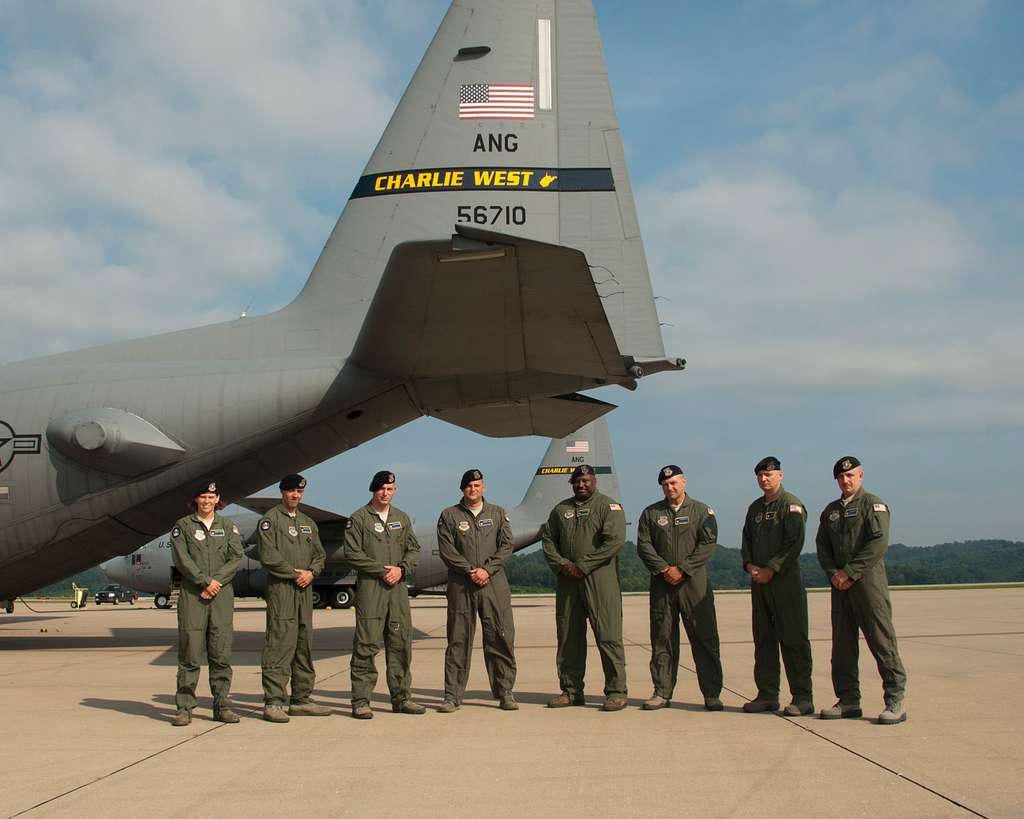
[280,641]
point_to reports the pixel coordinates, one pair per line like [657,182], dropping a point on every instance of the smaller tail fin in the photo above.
[590,444]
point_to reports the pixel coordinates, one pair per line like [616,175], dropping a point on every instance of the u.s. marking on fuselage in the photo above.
[427,180]
[12,444]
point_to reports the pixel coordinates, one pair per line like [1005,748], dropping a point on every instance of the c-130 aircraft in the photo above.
[487,267]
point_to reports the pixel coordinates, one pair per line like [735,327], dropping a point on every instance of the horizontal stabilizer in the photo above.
[487,318]
[550,417]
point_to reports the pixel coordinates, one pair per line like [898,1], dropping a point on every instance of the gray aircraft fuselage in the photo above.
[481,286]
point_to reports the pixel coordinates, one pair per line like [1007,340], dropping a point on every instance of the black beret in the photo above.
[469,476]
[768,464]
[582,469]
[844,465]
[380,479]
[292,482]
[667,472]
[204,486]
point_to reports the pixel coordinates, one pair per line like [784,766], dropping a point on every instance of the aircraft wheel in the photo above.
[161,601]
[319,599]
[343,598]
[74,604]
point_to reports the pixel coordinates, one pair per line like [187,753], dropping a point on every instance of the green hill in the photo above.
[973,561]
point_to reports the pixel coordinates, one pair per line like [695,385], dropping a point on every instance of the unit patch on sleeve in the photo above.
[176,532]
[265,525]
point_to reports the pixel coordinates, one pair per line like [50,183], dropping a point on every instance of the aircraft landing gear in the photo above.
[161,601]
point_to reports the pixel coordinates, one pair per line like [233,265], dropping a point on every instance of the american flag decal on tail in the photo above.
[494,101]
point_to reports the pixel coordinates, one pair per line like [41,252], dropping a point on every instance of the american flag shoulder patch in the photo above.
[496,101]
[880,507]
[615,507]
[796,507]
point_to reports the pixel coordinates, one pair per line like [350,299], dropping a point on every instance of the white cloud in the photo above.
[148,148]
[774,286]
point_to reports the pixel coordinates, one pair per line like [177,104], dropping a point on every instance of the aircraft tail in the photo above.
[499,189]
[590,444]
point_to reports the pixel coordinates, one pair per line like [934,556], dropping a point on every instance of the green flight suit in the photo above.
[854,537]
[383,619]
[773,536]
[202,554]
[288,543]
[686,539]
[466,542]
[590,534]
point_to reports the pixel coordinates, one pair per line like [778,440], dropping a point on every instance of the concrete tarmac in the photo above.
[86,699]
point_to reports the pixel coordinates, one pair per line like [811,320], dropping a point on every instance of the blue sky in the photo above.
[830,197]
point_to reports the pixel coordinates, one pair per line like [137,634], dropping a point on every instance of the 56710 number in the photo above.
[492,214]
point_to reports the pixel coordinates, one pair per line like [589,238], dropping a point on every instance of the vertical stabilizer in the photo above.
[588,445]
[507,125]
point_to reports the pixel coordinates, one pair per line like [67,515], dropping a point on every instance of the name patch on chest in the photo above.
[216,533]
[851,512]
[769,516]
[681,520]
[306,530]
[582,513]
[485,522]
[395,525]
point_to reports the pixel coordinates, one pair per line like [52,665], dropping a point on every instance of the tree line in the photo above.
[972,561]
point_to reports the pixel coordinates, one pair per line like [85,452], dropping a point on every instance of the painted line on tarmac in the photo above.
[115,772]
[849,750]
